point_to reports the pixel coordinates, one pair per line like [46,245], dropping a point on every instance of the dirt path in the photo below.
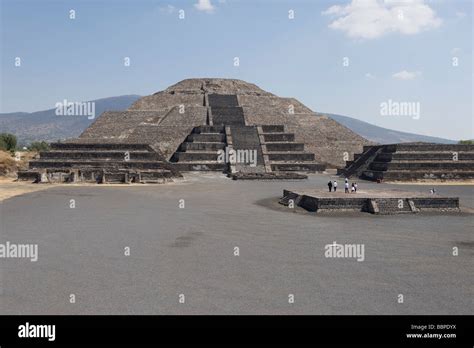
[10,188]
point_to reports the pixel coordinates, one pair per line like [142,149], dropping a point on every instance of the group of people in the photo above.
[332,185]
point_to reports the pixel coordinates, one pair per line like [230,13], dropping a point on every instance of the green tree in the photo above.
[466,142]
[39,146]
[8,142]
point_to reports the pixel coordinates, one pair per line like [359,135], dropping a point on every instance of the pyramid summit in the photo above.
[194,124]
[218,85]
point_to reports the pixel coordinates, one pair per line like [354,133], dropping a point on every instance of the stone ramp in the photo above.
[246,144]
[406,162]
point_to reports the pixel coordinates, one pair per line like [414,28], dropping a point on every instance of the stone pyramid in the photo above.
[191,123]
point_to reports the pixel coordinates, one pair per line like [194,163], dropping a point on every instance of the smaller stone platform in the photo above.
[383,202]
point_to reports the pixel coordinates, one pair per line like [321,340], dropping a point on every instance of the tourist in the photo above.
[346,187]
[353,189]
[330,185]
[355,186]
[334,185]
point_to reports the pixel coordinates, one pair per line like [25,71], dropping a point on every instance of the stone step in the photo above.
[284,146]
[428,147]
[393,206]
[404,175]
[206,138]
[209,129]
[195,156]
[291,156]
[200,166]
[195,146]
[297,166]
[273,129]
[278,137]
[100,155]
[422,165]
[100,147]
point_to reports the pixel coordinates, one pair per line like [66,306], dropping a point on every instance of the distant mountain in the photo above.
[46,125]
[383,135]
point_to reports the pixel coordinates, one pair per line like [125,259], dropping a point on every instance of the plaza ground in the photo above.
[190,251]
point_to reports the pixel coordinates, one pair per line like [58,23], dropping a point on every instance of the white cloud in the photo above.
[460,14]
[406,75]
[372,19]
[370,76]
[204,5]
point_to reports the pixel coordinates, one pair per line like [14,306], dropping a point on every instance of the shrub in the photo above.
[8,142]
[466,142]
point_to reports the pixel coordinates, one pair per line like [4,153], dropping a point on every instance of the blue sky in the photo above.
[399,50]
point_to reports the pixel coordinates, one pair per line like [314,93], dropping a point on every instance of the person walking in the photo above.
[353,189]
[330,185]
[346,187]
[355,186]
[334,184]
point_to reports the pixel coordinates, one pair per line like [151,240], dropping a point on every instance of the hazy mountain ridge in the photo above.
[46,125]
[384,135]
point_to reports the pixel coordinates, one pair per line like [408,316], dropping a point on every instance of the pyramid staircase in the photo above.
[274,152]
[99,163]
[199,152]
